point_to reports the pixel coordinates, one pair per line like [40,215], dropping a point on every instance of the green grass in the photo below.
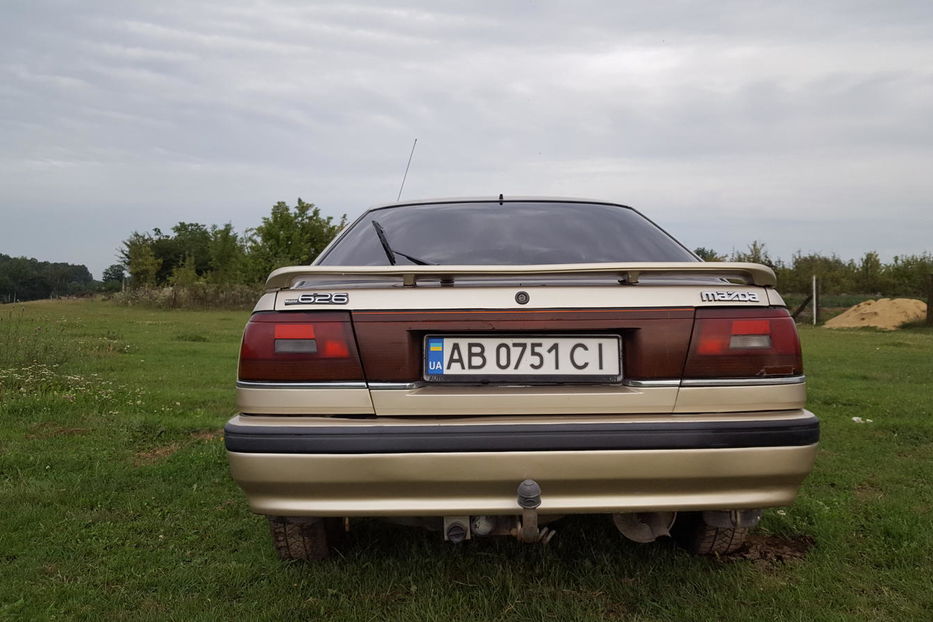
[116,503]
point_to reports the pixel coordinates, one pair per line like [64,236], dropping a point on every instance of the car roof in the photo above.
[496,199]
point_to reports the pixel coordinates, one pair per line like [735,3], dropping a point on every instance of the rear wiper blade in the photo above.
[390,252]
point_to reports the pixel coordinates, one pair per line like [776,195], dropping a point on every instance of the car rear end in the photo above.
[488,399]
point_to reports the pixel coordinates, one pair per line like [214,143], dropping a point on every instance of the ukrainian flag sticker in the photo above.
[435,358]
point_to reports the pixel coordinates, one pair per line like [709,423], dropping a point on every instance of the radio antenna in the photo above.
[407,166]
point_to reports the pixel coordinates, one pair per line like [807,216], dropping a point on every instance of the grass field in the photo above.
[116,502]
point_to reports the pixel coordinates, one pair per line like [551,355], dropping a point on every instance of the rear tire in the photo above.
[306,539]
[701,539]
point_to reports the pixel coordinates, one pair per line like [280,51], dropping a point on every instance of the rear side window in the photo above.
[511,233]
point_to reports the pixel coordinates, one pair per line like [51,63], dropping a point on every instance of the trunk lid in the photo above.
[649,307]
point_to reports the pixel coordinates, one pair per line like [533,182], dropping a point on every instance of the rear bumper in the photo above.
[477,437]
[331,467]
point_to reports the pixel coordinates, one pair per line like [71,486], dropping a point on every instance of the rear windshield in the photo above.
[510,234]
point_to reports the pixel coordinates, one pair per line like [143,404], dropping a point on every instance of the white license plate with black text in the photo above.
[523,358]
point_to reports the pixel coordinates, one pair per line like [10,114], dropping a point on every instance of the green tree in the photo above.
[756,253]
[289,236]
[870,275]
[140,259]
[835,275]
[66,279]
[908,274]
[226,254]
[23,278]
[112,279]
[192,243]
[185,274]
[188,239]
[708,254]
[115,273]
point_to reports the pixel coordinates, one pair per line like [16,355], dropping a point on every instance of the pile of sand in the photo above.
[886,314]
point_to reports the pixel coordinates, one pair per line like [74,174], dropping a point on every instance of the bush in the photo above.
[194,296]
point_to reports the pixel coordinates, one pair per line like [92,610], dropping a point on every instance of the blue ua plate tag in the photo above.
[435,356]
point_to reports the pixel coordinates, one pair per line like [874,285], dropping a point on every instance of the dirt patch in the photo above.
[769,550]
[53,430]
[207,435]
[867,491]
[886,314]
[156,454]
[151,456]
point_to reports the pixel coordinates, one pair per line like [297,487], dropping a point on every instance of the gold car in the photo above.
[484,367]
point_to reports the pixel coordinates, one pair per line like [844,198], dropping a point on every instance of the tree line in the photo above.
[24,278]
[194,253]
[196,257]
[904,275]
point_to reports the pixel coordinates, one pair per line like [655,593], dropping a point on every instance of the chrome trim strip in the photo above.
[742,382]
[651,383]
[407,386]
[244,384]
[401,386]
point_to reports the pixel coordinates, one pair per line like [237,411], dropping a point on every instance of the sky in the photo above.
[803,124]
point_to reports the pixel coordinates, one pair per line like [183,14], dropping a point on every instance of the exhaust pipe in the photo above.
[644,527]
[456,528]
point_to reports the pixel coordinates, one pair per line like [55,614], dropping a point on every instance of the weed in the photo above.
[192,337]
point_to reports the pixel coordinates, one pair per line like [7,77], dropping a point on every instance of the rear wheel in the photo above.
[701,539]
[307,539]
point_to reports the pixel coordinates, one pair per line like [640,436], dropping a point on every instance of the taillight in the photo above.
[743,343]
[299,347]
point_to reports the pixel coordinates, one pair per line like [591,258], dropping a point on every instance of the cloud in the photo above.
[726,122]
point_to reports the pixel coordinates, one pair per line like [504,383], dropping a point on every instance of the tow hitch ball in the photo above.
[529,499]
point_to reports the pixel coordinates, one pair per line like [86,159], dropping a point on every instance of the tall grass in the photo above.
[196,296]
[26,338]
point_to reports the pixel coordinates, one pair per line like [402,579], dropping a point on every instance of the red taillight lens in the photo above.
[299,347]
[743,343]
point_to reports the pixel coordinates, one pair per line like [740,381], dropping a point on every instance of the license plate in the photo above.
[523,358]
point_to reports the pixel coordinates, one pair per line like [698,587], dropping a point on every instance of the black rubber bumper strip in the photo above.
[389,439]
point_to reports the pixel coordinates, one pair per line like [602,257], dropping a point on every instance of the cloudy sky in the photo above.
[804,124]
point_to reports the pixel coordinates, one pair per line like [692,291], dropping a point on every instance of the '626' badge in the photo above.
[319,298]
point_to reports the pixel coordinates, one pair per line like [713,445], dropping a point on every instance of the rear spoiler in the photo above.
[627,273]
